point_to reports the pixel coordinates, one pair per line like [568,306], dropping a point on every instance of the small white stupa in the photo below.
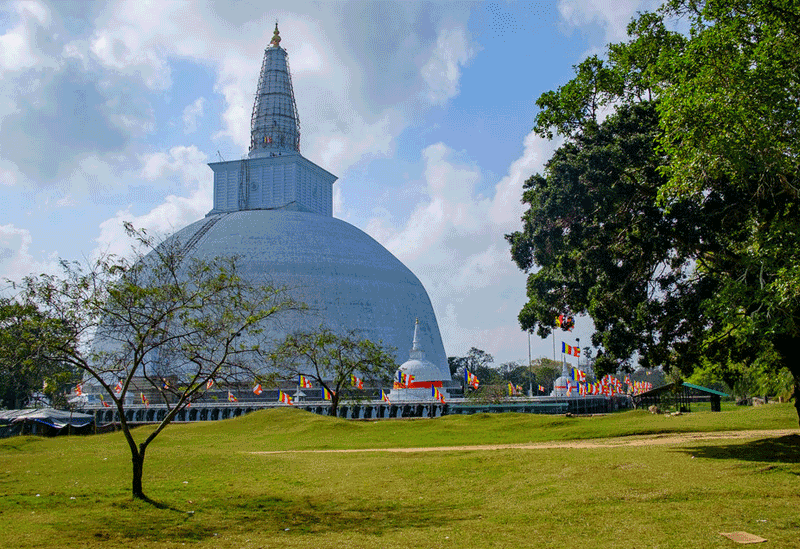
[426,375]
[564,385]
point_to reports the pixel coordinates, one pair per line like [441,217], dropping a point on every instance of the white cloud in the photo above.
[9,174]
[17,50]
[16,260]
[507,208]
[191,113]
[613,17]
[443,70]
[340,143]
[135,37]
[453,241]
[175,212]
[188,162]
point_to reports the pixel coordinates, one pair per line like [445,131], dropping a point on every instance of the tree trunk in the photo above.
[138,467]
[796,377]
[789,349]
[334,405]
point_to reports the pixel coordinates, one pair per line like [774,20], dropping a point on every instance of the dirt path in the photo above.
[644,440]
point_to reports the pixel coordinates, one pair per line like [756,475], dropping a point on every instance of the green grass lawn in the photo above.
[74,491]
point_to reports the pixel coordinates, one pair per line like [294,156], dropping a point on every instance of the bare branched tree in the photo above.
[168,320]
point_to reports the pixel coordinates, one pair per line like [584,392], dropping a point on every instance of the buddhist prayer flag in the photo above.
[570,350]
[232,397]
[257,389]
[326,394]
[541,388]
[103,401]
[437,394]
[286,399]
[384,396]
[356,382]
[402,378]
[144,399]
[209,384]
[118,388]
[566,323]
[79,389]
[304,382]
[579,376]
[471,379]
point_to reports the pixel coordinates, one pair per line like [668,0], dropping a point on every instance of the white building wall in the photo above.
[274,182]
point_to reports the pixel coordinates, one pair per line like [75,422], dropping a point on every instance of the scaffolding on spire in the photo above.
[274,125]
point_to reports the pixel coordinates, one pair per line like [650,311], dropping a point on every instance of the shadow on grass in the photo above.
[268,516]
[784,449]
[158,504]
[371,517]
[19,443]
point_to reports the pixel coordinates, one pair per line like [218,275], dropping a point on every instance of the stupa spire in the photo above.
[274,125]
[416,346]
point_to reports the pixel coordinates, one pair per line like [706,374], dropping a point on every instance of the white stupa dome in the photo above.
[348,280]
[426,374]
[422,370]
[273,210]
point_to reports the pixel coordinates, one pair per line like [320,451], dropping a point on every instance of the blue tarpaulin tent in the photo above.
[40,421]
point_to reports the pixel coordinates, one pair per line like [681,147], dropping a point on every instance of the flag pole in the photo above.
[530,366]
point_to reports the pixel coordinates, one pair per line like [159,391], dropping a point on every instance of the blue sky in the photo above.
[109,112]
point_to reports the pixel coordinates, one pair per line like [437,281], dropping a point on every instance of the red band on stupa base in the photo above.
[417,385]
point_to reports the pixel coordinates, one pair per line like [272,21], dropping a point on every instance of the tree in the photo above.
[331,359]
[545,372]
[477,362]
[22,371]
[156,317]
[516,373]
[675,222]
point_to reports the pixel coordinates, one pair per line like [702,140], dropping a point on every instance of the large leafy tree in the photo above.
[159,320]
[674,221]
[23,371]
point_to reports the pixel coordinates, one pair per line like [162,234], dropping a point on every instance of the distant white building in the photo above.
[564,385]
[426,375]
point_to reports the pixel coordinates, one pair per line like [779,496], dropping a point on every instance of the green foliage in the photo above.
[331,359]
[516,373]
[477,361]
[23,371]
[675,222]
[545,372]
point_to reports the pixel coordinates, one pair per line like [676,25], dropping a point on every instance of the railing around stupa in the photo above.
[215,411]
